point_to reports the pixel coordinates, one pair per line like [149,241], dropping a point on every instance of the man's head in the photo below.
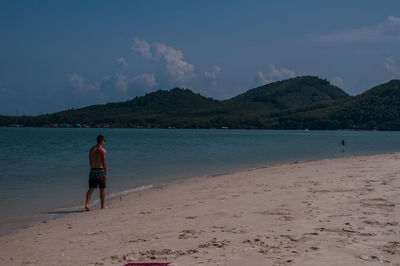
[100,139]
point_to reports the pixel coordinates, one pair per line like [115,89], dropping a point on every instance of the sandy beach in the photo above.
[328,212]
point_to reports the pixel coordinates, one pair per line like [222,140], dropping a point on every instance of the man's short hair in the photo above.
[100,138]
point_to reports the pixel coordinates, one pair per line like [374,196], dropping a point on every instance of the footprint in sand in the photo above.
[190,233]
[256,242]
[286,218]
[293,238]
[136,240]
[214,243]
[392,248]
[234,230]
[152,254]
[274,212]
[377,223]
[97,233]
[281,251]
[312,249]
[369,257]
[377,203]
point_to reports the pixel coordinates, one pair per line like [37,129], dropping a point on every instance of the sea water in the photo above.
[44,171]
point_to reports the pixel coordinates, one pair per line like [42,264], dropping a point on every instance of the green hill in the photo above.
[377,108]
[297,103]
[157,109]
[288,94]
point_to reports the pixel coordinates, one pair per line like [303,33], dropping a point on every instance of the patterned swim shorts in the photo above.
[97,177]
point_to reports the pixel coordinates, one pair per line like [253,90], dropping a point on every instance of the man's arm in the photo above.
[90,157]
[105,162]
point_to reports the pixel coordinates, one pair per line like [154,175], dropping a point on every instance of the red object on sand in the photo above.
[148,264]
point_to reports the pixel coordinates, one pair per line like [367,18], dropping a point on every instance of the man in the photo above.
[98,172]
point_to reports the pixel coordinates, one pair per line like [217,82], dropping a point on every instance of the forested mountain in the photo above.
[154,109]
[289,94]
[297,103]
[377,108]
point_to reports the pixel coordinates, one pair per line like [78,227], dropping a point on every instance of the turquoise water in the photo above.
[45,170]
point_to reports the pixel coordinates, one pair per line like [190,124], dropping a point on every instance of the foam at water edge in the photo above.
[128,191]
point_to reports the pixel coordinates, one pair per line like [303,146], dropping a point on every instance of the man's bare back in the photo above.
[98,172]
[97,156]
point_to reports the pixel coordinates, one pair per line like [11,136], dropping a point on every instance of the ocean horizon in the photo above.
[45,170]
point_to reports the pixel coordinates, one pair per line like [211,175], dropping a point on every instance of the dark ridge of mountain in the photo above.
[159,104]
[177,98]
[377,108]
[298,103]
[161,100]
[290,94]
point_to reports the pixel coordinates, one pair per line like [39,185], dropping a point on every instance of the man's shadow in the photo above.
[65,212]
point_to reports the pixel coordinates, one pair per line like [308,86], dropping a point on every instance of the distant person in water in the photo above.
[98,172]
[342,144]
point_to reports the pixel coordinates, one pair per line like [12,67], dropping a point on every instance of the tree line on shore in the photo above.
[298,103]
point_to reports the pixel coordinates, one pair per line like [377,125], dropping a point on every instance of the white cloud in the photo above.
[213,74]
[142,47]
[121,82]
[109,87]
[121,63]
[337,81]
[118,82]
[392,66]
[114,88]
[179,71]
[79,83]
[146,80]
[387,30]
[261,80]
[274,74]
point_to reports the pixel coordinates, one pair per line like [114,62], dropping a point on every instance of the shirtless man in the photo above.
[98,172]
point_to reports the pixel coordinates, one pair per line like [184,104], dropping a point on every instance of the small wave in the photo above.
[128,191]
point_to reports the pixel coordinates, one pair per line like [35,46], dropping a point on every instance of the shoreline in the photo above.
[57,213]
[281,214]
[195,128]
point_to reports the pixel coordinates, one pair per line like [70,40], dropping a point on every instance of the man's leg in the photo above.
[103,198]
[88,197]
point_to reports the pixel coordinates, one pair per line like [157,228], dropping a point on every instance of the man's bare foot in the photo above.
[87,208]
[104,207]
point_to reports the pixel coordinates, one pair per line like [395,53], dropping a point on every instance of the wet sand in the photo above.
[328,212]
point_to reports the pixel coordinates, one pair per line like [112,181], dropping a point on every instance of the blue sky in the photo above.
[57,55]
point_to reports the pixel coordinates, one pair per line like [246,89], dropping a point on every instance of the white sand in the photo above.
[329,212]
